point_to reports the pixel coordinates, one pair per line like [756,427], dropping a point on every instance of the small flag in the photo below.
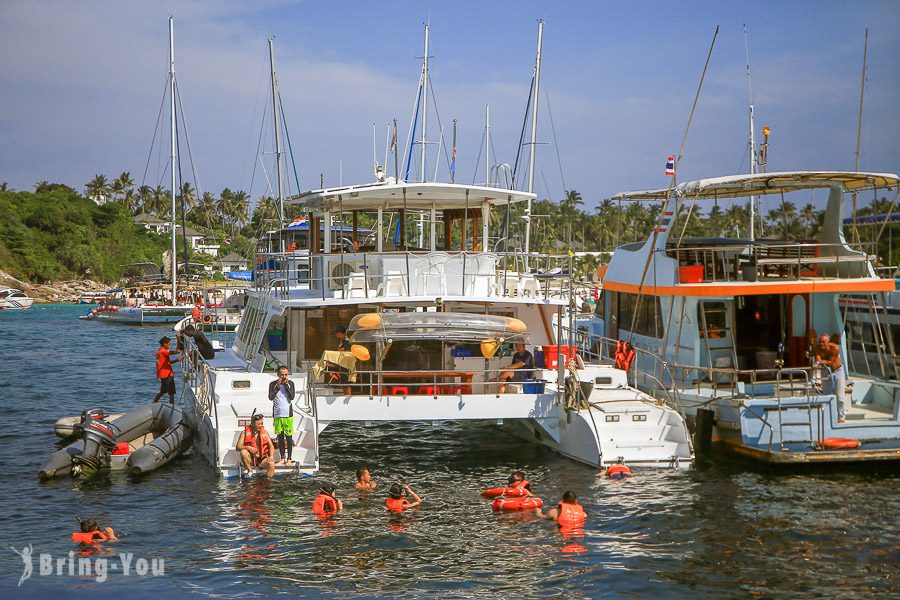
[453,163]
[394,141]
[670,166]
[227,241]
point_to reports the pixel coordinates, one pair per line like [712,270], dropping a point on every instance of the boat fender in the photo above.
[510,492]
[510,504]
[618,472]
[840,444]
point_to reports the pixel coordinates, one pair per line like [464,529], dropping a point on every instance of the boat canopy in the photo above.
[761,184]
[391,196]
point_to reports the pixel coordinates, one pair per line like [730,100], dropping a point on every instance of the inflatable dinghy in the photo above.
[137,442]
[66,427]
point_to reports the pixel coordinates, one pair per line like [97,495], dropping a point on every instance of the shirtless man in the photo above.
[364,481]
[828,354]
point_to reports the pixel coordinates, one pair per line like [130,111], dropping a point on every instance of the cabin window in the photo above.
[643,311]
[320,326]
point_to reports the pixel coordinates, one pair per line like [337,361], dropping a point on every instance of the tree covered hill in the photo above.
[55,233]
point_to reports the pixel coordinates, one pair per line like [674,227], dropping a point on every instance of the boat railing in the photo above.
[331,379]
[746,260]
[199,375]
[417,273]
[648,368]
[790,375]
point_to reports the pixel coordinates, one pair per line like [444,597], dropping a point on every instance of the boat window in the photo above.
[240,384]
[320,326]
[646,321]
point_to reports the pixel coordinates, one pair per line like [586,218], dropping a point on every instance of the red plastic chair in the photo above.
[428,390]
[399,390]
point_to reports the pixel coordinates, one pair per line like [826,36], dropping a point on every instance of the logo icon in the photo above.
[26,559]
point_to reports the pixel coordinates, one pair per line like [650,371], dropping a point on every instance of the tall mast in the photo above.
[277,136]
[487,145]
[172,156]
[753,156]
[534,114]
[424,100]
[862,90]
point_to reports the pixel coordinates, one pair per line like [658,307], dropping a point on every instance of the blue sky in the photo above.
[83,82]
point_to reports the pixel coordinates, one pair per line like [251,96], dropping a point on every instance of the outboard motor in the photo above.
[99,437]
[95,413]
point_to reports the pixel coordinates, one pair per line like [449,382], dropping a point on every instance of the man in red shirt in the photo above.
[164,370]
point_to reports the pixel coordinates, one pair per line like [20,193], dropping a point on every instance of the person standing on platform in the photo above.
[281,392]
[828,354]
[164,371]
[340,333]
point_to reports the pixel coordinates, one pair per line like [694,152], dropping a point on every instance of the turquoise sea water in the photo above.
[721,531]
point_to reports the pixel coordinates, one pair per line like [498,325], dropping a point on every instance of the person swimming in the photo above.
[517,480]
[364,481]
[327,502]
[90,533]
[395,501]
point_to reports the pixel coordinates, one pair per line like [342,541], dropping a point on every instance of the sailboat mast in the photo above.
[487,145]
[277,137]
[752,142]
[172,156]
[424,101]
[534,114]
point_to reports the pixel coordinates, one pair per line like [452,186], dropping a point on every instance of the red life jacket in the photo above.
[324,503]
[624,355]
[89,537]
[395,504]
[259,442]
[570,515]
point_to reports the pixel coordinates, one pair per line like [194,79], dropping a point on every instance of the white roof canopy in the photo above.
[761,184]
[420,196]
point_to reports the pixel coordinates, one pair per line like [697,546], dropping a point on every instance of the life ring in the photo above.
[508,492]
[207,319]
[840,444]
[510,504]
[618,471]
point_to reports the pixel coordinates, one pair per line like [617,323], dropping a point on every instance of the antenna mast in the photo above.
[487,145]
[277,138]
[862,90]
[424,101]
[534,113]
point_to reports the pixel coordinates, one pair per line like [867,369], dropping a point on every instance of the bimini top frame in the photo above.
[761,184]
[395,196]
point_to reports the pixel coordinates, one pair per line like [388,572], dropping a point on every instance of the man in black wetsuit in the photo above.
[204,347]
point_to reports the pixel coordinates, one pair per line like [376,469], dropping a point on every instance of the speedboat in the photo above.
[727,326]
[13,299]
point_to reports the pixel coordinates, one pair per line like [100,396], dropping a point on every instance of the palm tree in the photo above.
[97,189]
[122,185]
[240,206]
[158,202]
[144,193]
[186,198]
[205,211]
[223,206]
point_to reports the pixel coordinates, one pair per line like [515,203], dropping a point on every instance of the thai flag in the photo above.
[227,241]
[670,166]
[453,163]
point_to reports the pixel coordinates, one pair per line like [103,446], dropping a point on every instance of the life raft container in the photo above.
[509,504]
[840,444]
[510,492]
[618,471]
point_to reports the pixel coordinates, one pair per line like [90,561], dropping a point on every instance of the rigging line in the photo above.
[187,266]
[862,89]
[259,86]
[259,143]
[155,131]
[887,215]
[522,133]
[287,136]
[387,149]
[555,144]
[412,128]
[478,159]
[443,142]
[655,236]
[187,139]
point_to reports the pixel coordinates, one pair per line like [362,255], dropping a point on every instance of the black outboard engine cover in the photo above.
[99,437]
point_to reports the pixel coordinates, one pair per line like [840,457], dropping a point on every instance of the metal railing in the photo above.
[198,375]
[743,260]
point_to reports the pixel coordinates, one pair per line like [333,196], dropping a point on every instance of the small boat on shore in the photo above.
[13,299]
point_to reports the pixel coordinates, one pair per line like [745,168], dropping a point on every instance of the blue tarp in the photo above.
[893,217]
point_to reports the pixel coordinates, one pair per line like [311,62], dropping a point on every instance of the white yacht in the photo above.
[427,327]
[13,299]
[728,325]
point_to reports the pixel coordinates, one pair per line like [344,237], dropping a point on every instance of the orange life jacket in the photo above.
[624,355]
[395,504]
[258,442]
[89,537]
[570,515]
[618,471]
[324,503]
[525,484]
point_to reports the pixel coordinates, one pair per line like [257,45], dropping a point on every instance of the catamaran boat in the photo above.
[13,299]
[428,328]
[92,297]
[727,326]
